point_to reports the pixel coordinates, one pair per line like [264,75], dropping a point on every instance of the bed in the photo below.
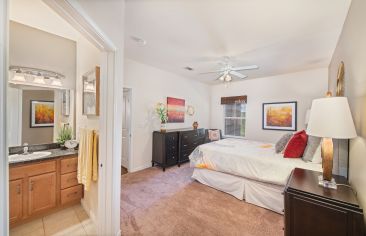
[248,170]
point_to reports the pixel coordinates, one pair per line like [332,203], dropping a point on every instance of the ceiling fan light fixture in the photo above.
[227,78]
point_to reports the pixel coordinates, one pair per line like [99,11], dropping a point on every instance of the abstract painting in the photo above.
[176,110]
[42,114]
[280,116]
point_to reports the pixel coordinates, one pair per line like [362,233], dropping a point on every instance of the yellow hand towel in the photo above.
[85,158]
[95,156]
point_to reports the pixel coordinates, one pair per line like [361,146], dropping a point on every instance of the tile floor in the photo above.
[70,221]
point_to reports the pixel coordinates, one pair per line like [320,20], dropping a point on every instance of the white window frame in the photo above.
[227,117]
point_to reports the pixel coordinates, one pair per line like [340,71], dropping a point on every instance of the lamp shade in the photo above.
[331,118]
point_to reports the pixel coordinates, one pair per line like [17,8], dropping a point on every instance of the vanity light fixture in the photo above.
[56,82]
[38,79]
[18,76]
[89,87]
[35,77]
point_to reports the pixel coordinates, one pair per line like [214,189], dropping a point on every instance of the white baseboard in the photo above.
[147,165]
[89,212]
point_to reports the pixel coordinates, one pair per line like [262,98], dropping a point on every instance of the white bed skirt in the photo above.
[265,195]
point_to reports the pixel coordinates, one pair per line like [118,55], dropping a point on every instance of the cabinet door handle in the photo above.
[31,186]
[18,189]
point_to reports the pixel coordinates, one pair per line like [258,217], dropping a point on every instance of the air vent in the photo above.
[138,40]
[188,68]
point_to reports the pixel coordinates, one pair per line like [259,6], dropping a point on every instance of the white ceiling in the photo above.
[280,36]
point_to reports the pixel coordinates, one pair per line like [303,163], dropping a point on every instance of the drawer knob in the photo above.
[18,189]
[72,194]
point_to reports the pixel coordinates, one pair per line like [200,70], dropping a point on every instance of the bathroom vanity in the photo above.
[40,186]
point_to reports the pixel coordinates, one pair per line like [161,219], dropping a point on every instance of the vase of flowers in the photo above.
[163,116]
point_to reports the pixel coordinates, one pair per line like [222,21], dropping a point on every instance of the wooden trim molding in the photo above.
[233,100]
[71,11]
[4,183]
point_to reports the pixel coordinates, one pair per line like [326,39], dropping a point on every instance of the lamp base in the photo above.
[327,184]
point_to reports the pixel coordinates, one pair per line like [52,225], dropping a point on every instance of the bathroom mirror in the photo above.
[42,81]
[37,114]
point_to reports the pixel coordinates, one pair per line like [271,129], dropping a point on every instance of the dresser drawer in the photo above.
[171,158]
[69,180]
[71,194]
[31,169]
[69,165]
[184,155]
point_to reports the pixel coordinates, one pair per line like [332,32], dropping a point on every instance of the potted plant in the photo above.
[64,135]
[162,113]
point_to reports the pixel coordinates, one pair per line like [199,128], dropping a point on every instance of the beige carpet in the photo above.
[171,203]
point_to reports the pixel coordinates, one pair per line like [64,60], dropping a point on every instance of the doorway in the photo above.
[126,131]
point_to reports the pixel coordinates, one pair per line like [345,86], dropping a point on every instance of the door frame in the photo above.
[129,155]
[4,168]
[109,185]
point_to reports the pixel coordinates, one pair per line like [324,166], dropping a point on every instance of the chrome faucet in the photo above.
[25,149]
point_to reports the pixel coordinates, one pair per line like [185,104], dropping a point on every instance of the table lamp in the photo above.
[330,118]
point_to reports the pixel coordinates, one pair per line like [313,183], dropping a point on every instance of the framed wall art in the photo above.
[280,116]
[42,114]
[176,110]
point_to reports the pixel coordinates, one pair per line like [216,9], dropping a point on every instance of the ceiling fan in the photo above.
[227,73]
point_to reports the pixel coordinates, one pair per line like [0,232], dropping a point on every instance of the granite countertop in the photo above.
[55,153]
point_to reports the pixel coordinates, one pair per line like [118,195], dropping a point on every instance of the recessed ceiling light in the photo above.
[188,68]
[138,40]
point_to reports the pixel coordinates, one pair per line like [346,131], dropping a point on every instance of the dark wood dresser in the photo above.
[311,210]
[174,146]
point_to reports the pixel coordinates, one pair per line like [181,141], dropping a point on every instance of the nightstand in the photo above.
[312,210]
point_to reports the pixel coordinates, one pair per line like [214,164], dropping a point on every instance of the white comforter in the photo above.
[249,159]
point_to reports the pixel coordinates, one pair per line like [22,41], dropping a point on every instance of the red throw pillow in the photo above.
[296,145]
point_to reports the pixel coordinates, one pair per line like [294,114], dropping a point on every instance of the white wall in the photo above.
[87,57]
[302,87]
[351,49]
[151,85]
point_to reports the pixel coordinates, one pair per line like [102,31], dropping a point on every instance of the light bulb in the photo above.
[18,77]
[227,78]
[38,79]
[56,82]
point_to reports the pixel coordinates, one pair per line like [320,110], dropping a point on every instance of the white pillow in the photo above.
[214,135]
[317,157]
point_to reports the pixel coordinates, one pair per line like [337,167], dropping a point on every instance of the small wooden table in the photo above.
[312,210]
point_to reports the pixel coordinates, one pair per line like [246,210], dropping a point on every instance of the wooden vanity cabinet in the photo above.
[16,200]
[39,188]
[41,193]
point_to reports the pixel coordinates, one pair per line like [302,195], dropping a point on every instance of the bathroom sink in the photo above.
[28,157]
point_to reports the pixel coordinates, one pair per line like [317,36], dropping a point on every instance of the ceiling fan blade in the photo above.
[210,72]
[237,74]
[221,74]
[252,67]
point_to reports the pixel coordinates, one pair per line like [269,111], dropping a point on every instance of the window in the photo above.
[234,116]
